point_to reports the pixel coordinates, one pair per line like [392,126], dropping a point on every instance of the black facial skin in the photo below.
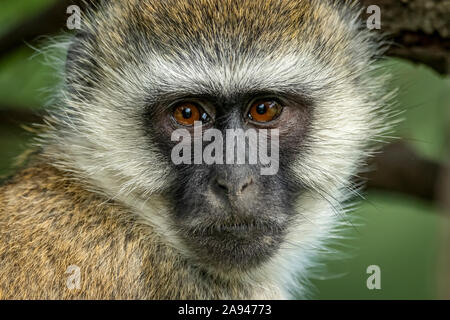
[231,216]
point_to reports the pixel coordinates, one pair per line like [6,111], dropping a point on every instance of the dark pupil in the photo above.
[261,109]
[187,113]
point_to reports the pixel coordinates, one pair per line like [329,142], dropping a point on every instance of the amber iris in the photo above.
[186,114]
[264,111]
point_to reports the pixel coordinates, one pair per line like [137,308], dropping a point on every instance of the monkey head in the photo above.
[141,72]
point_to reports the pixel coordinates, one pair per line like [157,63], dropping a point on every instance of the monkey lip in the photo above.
[239,230]
[236,228]
[227,230]
[227,246]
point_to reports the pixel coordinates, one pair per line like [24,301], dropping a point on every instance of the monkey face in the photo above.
[139,71]
[231,214]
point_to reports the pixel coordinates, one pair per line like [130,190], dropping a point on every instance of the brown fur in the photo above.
[48,218]
[48,222]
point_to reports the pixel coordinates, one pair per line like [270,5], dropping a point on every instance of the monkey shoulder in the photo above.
[52,229]
[50,225]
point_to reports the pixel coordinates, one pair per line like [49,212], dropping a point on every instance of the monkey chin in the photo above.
[230,249]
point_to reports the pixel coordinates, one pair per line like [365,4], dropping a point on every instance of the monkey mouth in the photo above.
[241,228]
[231,246]
[238,229]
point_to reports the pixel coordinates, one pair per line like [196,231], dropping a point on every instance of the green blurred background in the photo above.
[403,235]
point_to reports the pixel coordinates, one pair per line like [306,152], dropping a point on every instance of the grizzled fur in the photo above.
[70,226]
[100,194]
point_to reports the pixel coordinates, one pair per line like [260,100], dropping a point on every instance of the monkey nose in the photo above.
[234,186]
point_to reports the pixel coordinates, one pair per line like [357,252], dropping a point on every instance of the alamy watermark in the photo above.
[374,20]
[73,281]
[74,20]
[238,147]
[374,280]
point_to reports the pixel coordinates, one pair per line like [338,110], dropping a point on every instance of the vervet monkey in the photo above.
[102,193]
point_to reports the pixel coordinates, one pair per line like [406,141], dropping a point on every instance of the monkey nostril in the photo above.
[233,187]
[222,185]
[246,184]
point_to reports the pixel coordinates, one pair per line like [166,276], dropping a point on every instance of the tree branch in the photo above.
[420,30]
[399,168]
[18,116]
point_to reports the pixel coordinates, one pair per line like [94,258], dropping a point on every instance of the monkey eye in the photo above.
[186,113]
[264,110]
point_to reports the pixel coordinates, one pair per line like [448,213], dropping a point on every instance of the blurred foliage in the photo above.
[13,12]
[25,80]
[398,233]
[424,97]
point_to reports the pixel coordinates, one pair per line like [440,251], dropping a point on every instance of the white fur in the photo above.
[102,141]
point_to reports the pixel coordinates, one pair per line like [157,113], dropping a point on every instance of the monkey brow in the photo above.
[288,75]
